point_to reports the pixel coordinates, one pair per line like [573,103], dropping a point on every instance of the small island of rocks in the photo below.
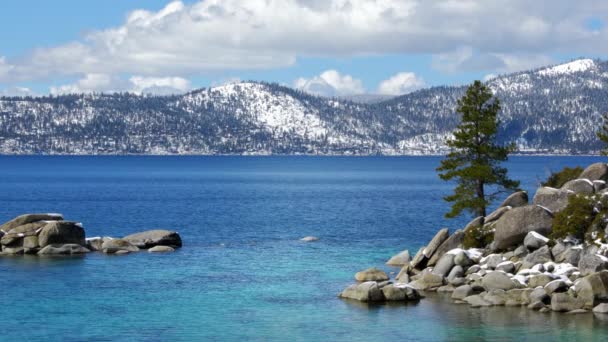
[523,255]
[49,234]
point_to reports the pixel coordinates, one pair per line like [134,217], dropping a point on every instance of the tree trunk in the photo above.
[481,196]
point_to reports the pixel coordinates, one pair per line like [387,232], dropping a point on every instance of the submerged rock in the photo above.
[67,249]
[118,246]
[161,249]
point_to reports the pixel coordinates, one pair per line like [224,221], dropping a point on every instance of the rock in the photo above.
[462,259]
[157,237]
[452,242]
[427,281]
[540,256]
[304,239]
[495,297]
[67,249]
[456,272]
[572,255]
[29,218]
[516,199]
[371,274]
[95,243]
[400,259]
[579,186]
[565,302]
[120,252]
[518,297]
[445,288]
[601,308]
[556,286]
[599,185]
[576,311]
[61,232]
[457,281]
[444,265]
[553,199]
[461,292]
[437,240]
[13,250]
[497,281]
[536,305]
[520,252]
[558,249]
[18,233]
[31,242]
[593,288]
[513,226]
[473,269]
[592,263]
[403,276]
[419,261]
[476,222]
[493,260]
[161,249]
[496,215]
[534,241]
[506,266]
[539,295]
[399,293]
[597,171]
[476,301]
[365,292]
[540,280]
[115,246]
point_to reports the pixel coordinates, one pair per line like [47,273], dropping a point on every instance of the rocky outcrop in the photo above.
[593,289]
[452,242]
[437,240]
[29,218]
[597,171]
[364,292]
[579,186]
[517,199]
[157,237]
[67,249]
[512,227]
[553,199]
[400,259]
[118,246]
[61,232]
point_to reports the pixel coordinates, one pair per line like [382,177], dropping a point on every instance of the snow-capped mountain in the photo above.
[555,109]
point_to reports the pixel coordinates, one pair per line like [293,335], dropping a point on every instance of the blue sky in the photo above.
[333,47]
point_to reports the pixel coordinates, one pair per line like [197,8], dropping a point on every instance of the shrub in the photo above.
[584,218]
[558,179]
[478,236]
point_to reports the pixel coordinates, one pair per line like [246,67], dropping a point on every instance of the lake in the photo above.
[243,274]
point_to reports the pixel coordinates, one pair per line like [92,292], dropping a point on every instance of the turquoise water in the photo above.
[243,274]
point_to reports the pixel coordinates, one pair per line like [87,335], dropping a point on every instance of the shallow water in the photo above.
[243,274]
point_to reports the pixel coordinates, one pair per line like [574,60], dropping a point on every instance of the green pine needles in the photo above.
[475,156]
[603,133]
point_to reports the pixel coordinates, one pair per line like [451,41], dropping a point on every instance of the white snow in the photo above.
[538,236]
[568,68]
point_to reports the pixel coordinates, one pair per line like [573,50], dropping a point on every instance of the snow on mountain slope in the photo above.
[579,65]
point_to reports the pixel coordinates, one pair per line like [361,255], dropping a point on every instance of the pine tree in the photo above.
[603,134]
[475,157]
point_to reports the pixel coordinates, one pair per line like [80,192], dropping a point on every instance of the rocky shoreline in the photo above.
[50,234]
[521,266]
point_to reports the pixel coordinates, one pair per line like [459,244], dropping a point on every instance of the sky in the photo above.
[327,47]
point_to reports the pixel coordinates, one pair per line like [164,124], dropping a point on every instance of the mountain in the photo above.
[555,109]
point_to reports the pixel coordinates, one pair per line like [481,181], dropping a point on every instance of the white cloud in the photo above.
[401,83]
[97,83]
[466,59]
[17,91]
[331,83]
[220,35]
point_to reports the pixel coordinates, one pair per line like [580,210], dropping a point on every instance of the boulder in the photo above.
[539,280]
[96,243]
[399,293]
[601,308]
[556,286]
[518,297]
[534,241]
[427,281]
[419,261]
[566,302]
[161,249]
[539,256]
[476,222]
[495,297]
[591,263]
[157,237]
[473,269]
[516,199]
[520,252]
[539,295]
[67,249]
[462,259]
[476,301]
[536,305]
[365,292]
[29,218]
[452,242]
[579,186]
[61,232]
[371,274]
[444,266]
[118,246]
[461,292]
[437,240]
[497,281]
[593,288]
[506,266]
[597,171]
[493,260]
[400,259]
[512,227]
[18,233]
[599,185]
[403,275]
[572,255]
[496,215]
[456,272]
[553,199]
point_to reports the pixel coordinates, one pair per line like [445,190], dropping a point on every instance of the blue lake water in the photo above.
[242,273]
